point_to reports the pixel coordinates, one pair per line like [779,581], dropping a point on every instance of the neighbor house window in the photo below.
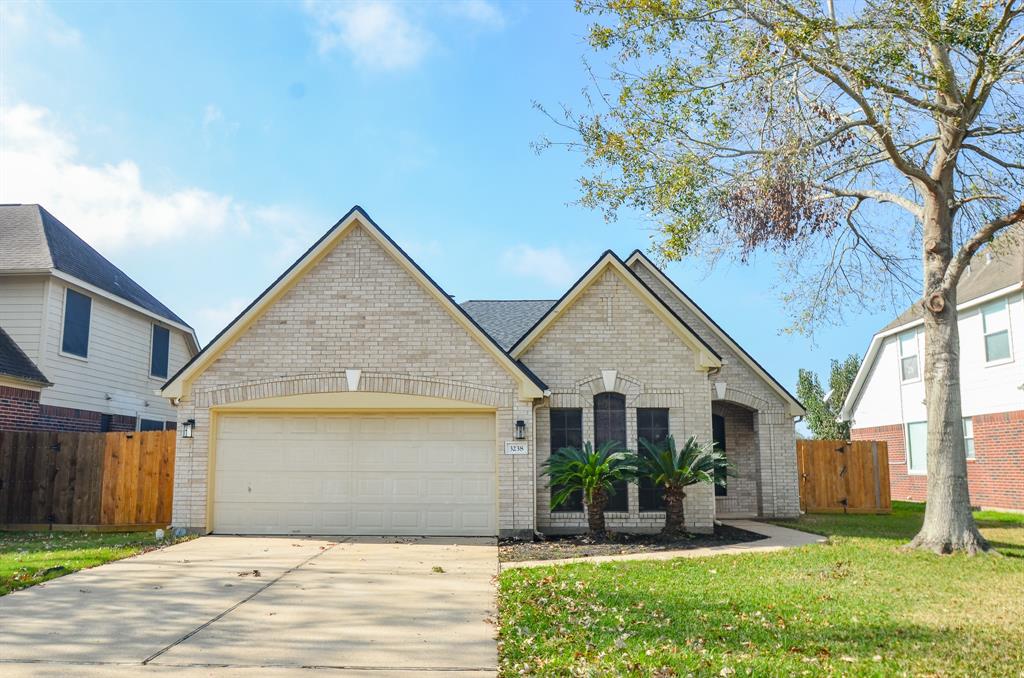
[969,437]
[917,447]
[77,312]
[567,431]
[150,425]
[909,367]
[610,425]
[995,320]
[652,426]
[158,354]
[718,436]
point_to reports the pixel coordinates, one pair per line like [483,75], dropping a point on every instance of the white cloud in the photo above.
[378,34]
[211,115]
[30,21]
[549,265]
[388,36]
[106,203]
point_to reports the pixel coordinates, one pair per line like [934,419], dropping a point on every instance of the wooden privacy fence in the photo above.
[109,480]
[837,476]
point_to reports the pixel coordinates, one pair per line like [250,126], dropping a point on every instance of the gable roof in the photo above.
[704,355]
[530,385]
[507,320]
[994,273]
[796,407]
[16,365]
[39,243]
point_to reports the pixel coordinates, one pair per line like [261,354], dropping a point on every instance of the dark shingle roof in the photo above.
[507,320]
[995,268]
[41,241]
[14,362]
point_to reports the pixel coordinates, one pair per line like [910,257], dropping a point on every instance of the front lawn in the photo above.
[28,558]
[858,605]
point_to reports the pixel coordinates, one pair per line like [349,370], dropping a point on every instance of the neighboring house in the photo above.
[82,346]
[355,397]
[887,398]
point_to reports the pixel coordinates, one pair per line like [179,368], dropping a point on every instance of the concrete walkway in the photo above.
[350,607]
[776,539]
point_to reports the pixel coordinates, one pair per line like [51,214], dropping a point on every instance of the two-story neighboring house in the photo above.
[83,347]
[887,399]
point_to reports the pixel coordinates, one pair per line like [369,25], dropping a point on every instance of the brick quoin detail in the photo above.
[995,476]
[20,410]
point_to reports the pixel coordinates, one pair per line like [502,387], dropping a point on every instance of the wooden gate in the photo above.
[89,480]
[843,477]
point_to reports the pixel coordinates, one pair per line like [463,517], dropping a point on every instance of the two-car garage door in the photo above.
[398,473]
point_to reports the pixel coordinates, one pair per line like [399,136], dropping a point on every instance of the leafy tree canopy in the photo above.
[823,408]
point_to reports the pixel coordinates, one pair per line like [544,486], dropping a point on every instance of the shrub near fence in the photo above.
[837,476]
[87,480]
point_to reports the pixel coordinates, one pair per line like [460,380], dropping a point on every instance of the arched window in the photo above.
[610,424]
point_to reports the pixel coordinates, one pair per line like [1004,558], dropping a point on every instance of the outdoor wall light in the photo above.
[187,427]
[520,430]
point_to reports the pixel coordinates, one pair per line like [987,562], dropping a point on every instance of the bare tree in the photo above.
[857,141]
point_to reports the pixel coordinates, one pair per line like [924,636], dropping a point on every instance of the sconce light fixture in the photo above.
[520,430]
[187,427]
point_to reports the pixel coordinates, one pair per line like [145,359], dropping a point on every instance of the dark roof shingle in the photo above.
[14,362]
[41,241]
[507,320]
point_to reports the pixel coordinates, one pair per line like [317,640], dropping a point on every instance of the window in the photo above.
[150,425]
[995,320]
[969,437]
[909,367]
[917,447]
[567,431]
[652,426]
[610,425]
[158,354]
[718,436]
[77,311]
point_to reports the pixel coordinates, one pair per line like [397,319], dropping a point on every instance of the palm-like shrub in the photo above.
[676,469]
[592,472]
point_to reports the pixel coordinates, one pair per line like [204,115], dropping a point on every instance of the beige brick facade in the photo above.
[361,308]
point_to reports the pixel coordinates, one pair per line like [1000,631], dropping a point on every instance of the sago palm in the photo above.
[676,469]
[592,472]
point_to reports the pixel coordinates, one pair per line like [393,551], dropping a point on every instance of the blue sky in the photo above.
[202,147]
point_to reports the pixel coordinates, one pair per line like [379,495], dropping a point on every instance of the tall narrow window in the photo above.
[718,436]
[158,354]
[567,431]
[610,425]
[969,437]
[77,311]
[910,370]
[652,426]
[995,319]
[917,447]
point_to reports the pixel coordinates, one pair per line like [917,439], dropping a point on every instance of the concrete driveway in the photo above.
[346,606]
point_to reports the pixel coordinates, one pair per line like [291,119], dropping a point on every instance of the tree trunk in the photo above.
[675,524]
[595,513]
[948,522]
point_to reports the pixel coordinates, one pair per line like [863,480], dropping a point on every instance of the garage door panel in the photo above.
[406,474]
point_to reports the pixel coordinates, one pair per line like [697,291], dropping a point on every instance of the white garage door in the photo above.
[388,474]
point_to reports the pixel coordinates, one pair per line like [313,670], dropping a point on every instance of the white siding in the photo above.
[118,362]
[985,389]
[21,312]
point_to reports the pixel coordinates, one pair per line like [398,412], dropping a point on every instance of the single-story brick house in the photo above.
[354,396]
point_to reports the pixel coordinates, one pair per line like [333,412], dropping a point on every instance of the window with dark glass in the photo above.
[567,431]
[150,425]
[652,426]
[610,425]
[77,309]
[718,435]
[158,355]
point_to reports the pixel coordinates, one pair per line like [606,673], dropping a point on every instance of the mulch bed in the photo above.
[554,547]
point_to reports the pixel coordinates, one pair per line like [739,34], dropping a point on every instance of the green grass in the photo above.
[28,558]
[856,606]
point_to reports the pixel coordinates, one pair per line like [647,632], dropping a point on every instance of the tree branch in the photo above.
[985,234]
